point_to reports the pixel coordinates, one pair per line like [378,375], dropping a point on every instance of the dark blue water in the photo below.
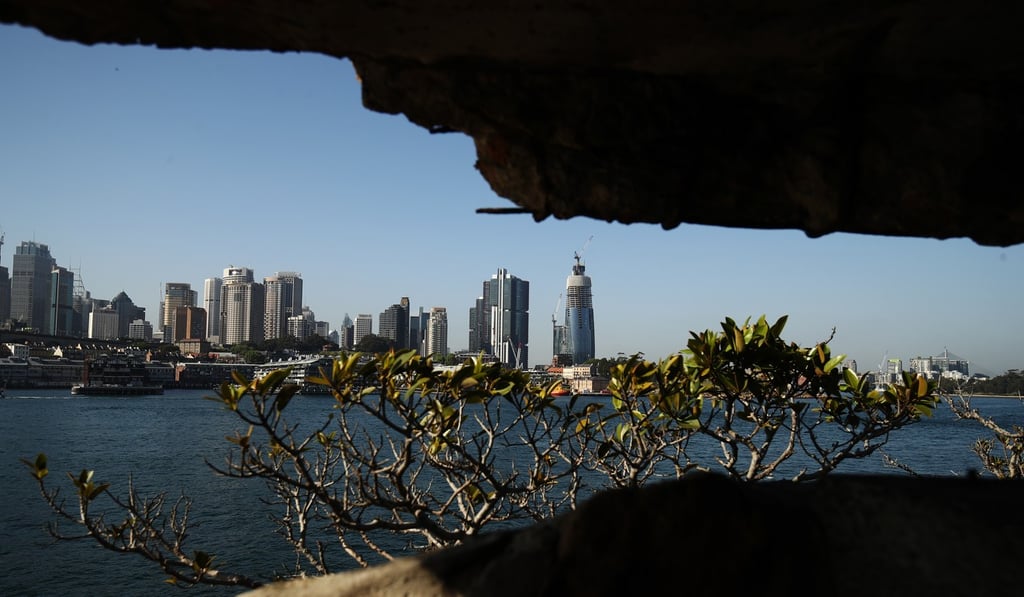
[162,442]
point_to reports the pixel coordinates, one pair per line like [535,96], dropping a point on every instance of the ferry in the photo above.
[115,375]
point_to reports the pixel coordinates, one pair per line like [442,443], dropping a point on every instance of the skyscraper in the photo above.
[579,314]
[480,327]
[508,301]
[211,302]
[364,326]
[62,302]
[437,332]
[176,294]
[394,324]
[242,304]
[283,293]
[347,335]
[30,285]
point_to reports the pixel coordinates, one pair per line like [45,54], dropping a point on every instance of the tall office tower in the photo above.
[176,294]
[80,304]
[508,299]
[5,288]
[283,293]
[364,326]
[346,340]
[394,324]
[127,312]
[242,304]
[5,295]
[30,285]
[62,302]
[437,332]
[480,327]
[421,341]
[211,302]
[579,314]
[190,323]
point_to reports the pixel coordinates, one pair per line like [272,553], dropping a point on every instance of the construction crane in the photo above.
[578,255]
[554,314]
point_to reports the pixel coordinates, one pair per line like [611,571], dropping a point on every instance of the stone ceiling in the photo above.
[877,117]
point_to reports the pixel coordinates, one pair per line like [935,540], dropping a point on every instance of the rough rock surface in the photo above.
[880,117]
[705,535]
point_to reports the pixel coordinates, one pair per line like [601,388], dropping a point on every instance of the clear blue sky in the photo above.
[140,166]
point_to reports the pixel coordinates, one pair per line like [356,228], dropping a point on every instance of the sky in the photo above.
[139,167]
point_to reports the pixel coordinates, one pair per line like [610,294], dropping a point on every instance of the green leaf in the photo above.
[285,396]
[39,470]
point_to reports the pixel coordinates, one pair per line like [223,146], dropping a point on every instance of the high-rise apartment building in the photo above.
[579,315]
[508,301]
[176,295]
[283,292]
[30,286]
[211,302]
[242,304]
[393,324]
[62,302]
[363,327]
[437,332]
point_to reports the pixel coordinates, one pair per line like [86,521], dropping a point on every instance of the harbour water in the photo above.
[162,442]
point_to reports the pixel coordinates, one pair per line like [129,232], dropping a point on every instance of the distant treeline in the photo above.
[1010,383]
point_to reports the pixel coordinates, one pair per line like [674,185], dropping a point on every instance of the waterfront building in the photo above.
[283,293]
[242,305]
[507,299]
[176,294]
[211,302]
[62,302]
[578,336]
[437,332]
[363,327]
[394,324]
[30,286]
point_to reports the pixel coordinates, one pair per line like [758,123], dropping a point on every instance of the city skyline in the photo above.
[139,167]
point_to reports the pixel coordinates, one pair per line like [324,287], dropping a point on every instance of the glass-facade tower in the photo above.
[30,286]
[507,299]
[579,315]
